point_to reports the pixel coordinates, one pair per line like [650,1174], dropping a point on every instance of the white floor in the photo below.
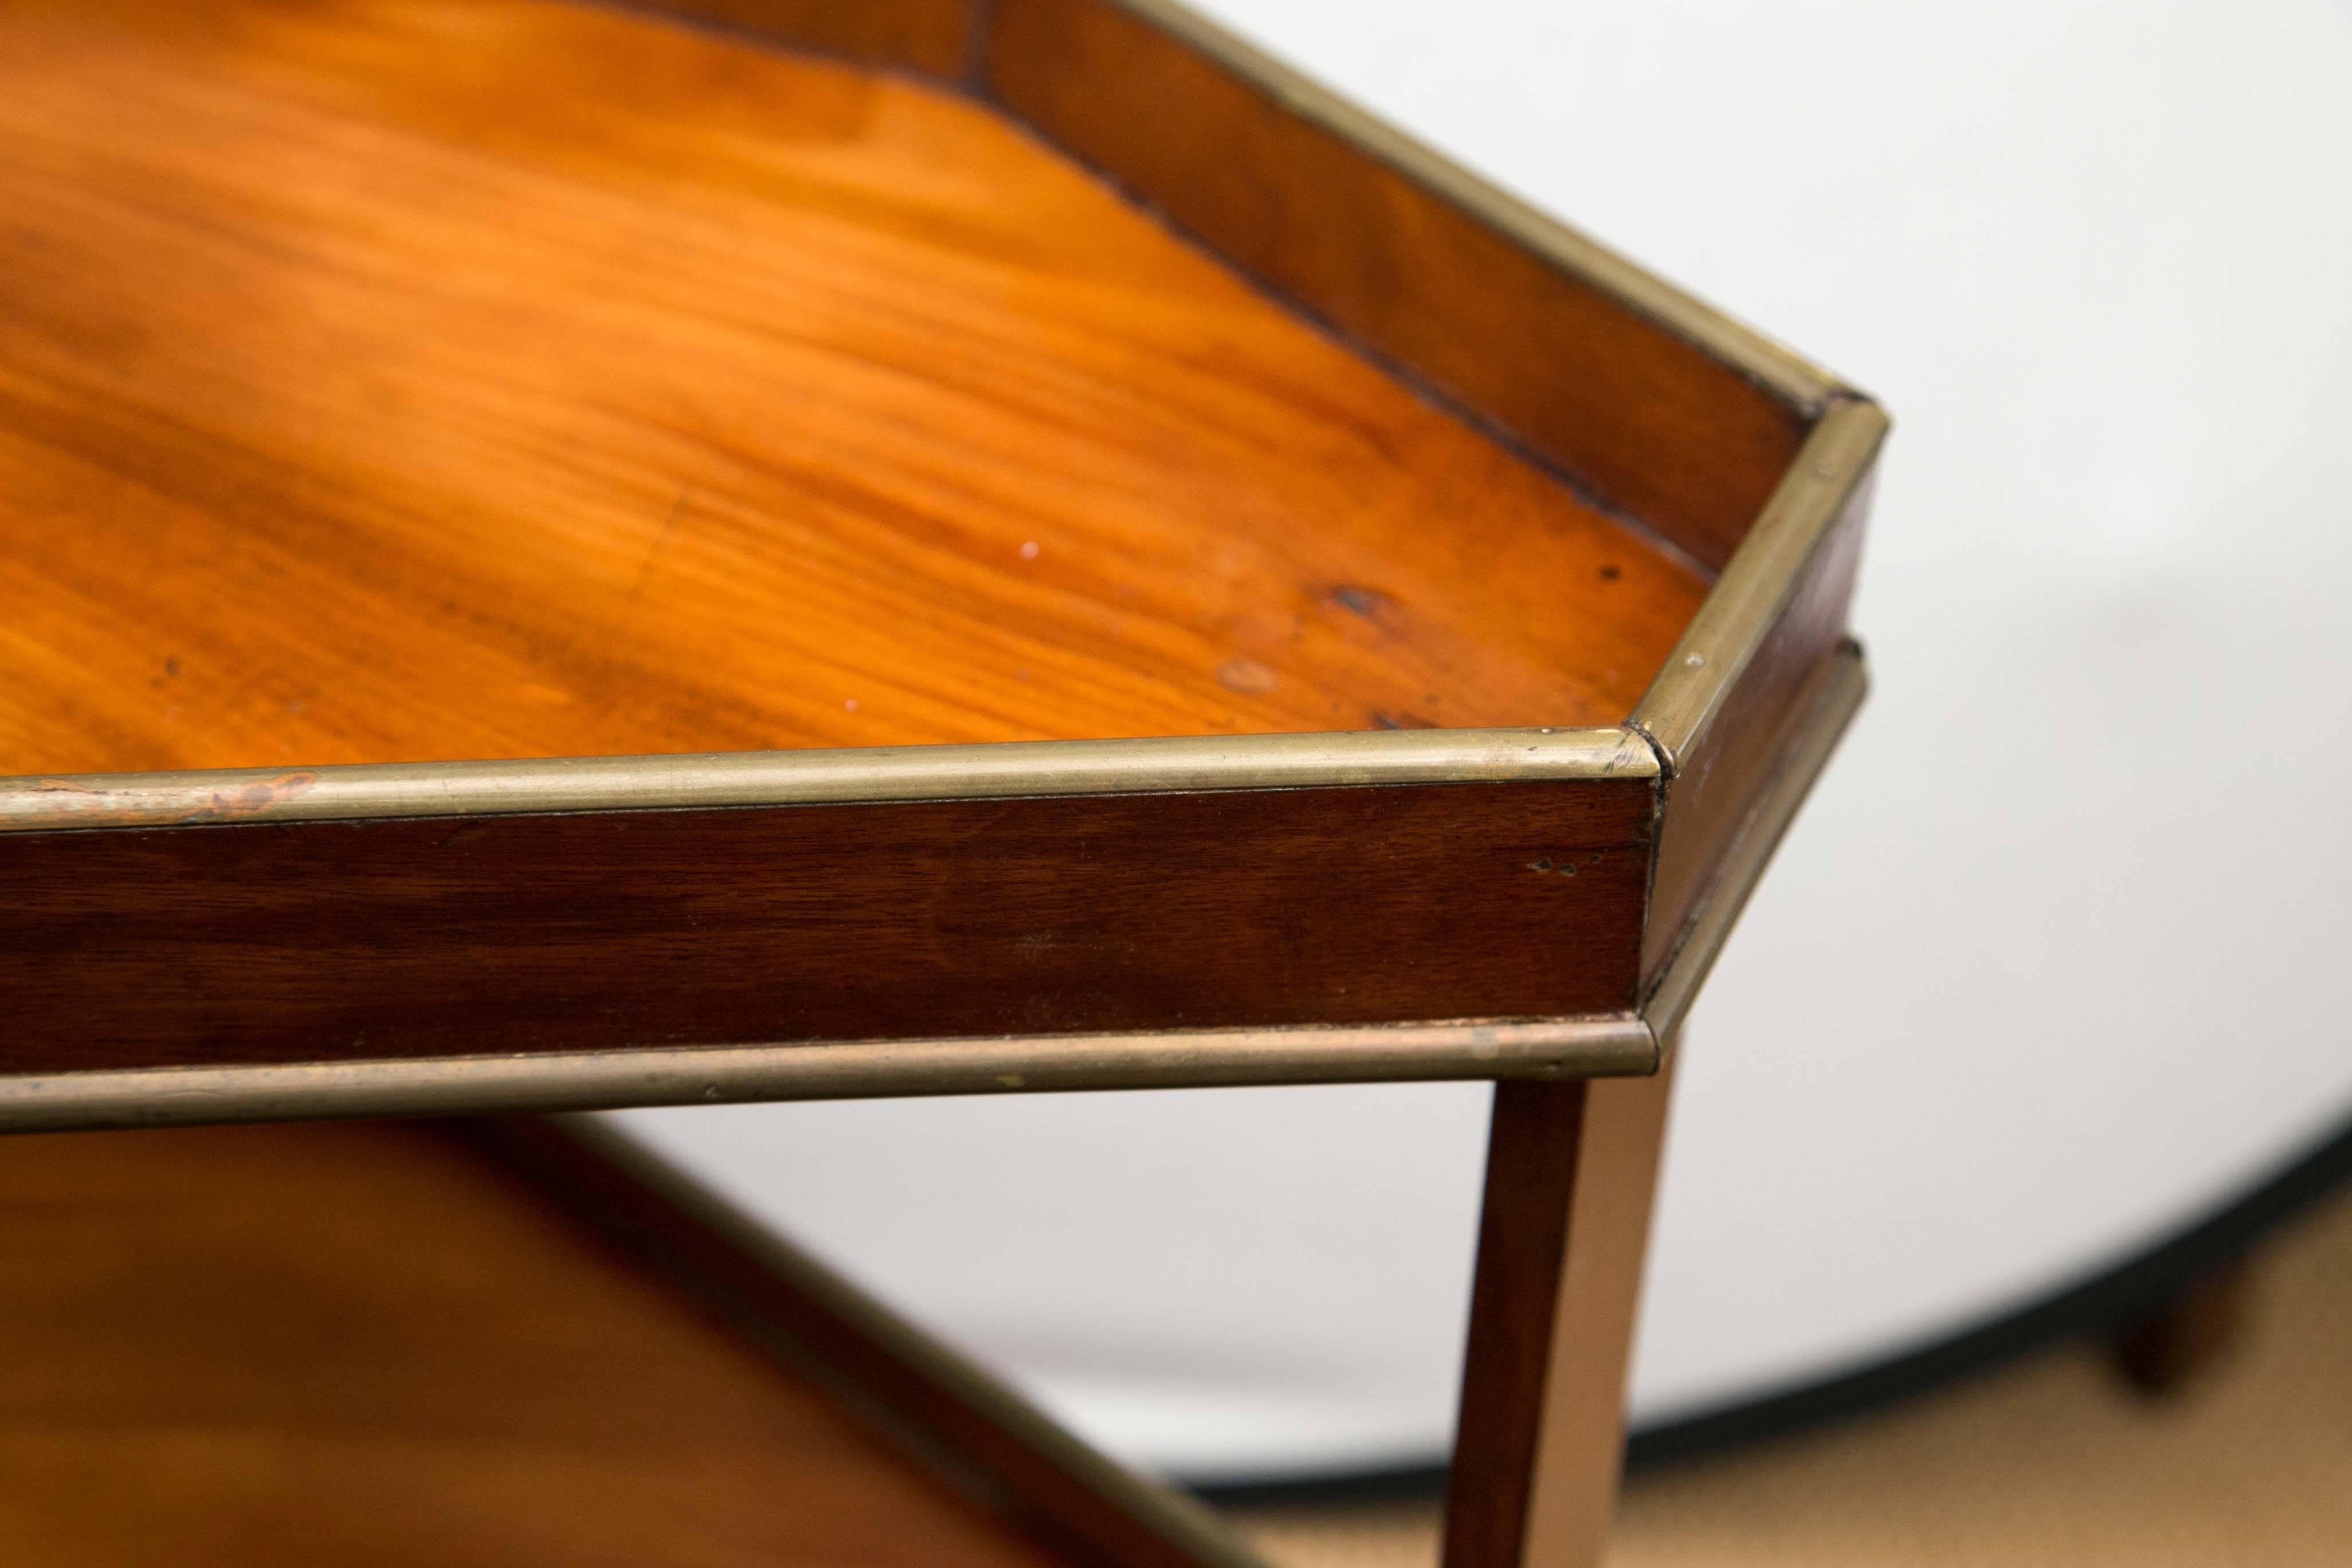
[2056,954]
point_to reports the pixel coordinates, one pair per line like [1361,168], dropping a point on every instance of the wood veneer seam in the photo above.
[980,26]
[752,34]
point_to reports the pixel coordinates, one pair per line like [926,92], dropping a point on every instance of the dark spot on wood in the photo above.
[1382,720]
[1365,602]
[1539,865]
[171,665]
[1609,573]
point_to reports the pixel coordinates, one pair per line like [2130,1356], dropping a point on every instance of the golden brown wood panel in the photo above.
[1652,424]
[603,930]
[355,1346]
[389,380]
[1054,1487]
[928,35]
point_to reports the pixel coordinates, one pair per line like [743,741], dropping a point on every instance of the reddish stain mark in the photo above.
[78,803]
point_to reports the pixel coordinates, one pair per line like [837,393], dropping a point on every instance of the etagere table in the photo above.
[564,556]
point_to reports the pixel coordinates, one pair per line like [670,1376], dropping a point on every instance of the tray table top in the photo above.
[563,556]
[393,382]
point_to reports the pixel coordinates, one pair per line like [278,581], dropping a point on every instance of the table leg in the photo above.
[1571,1169]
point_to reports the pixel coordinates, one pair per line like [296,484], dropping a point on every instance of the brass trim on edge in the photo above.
[1788,374]
[992,770]
[1740,612]
[1824,712]
[1606,1046]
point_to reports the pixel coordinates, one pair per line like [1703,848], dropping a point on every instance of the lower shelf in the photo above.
[494,1343]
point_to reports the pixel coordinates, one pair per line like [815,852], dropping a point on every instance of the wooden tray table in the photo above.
[562,555]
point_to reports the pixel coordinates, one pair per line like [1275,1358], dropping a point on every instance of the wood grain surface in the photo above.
[320,942]
[388,380]
[1651,424]
[1562,1231]
[348,1346]
[1533,1143]
[994,1442]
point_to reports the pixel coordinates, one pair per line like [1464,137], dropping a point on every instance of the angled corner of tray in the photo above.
[1481,902]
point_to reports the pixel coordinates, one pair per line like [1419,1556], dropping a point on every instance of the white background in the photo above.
[2055,956]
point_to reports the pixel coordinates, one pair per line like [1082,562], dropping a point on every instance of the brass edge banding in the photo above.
[1170,1515]
[1780,370]
[1605,1046]
[1825,710]
[997,770]
[1745,604]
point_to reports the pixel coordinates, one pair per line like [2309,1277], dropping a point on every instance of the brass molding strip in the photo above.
[1606,1046]
[999,770]
[1745,606]
[1795,380]
[1826,710]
